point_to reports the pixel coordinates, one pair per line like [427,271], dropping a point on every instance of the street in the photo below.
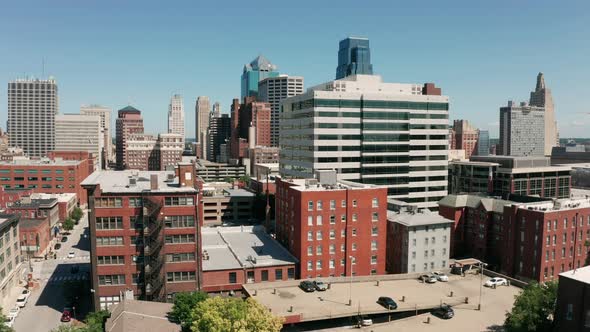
[43,310]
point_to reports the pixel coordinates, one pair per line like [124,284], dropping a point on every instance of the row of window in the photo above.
[117,202]
[319,264]
[382,104]
[432,253]
[320,204]
[33,186]
[34,171]
[105,223]
[320,218]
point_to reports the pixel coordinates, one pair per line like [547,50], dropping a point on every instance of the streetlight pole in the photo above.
[480,284]
[350,288]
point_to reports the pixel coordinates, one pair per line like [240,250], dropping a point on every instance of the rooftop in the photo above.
[140,316]
[315,185]
[238,247]
[62,197]
[417,217]
[32,203]
[558,204]
[582,274]
[132,181]
[40,162]
[30,223]
[470,200]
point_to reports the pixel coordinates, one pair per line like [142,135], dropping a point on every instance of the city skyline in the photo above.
[115,65]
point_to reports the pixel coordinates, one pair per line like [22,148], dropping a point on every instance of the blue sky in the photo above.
[141,52]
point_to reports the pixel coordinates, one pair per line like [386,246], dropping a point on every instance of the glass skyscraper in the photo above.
[354,57]
[483,143]
[254,72]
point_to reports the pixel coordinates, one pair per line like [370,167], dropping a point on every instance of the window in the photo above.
[413,255]
[278,274]
[374,231]
[179,238]
[108,202]
[179,221]
[309,220]
[354,232]
[332,248]
[309,251]
[309,265]
[549,225]
[354,203]
[444,251]
[342,247]
[413,242]
[425,253]
[109,222]
[354,217]
[103,241]
[444,239]
[433,240]
[178,201]
[182,276]
[413,268]
[319,220]
[375,202]
[111,260]
[111,280]
[135,202]
[180,257]
[318,264]
[565,223]
[264,275]
[432,253]
[353,246]
[233,278]
[318,235]
[554,239]
[332,204]
[332,264]
[426,241]
[291,273]
[343,218]
[343,204]
[374,245]
[309,236]
[310,206]
[332,234]
[319,205]
[318,250]
[342,233]
[332,219]
[375,216]
[374,259]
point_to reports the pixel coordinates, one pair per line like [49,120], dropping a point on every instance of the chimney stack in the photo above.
[154,181]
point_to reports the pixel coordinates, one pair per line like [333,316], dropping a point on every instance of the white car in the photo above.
[71,254]
[440,276]
[9,321]
[496,282]
[14,311]
[22,300]
[26,293]
[364,321]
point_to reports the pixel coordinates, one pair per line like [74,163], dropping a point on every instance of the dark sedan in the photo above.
[444,312]
[387,302]
[307,286]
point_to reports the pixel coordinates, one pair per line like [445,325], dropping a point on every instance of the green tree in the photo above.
[217,314]
[532,309]
[77,213]
[4,328]
[184,303]
[68,224]
[68,328]
[95,321]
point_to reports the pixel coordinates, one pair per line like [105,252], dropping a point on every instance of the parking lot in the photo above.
[410,294]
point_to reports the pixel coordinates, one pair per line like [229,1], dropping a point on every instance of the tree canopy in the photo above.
[217,314]
[77,213]
[184,303]
[532,309]
[68,224]
[4,328]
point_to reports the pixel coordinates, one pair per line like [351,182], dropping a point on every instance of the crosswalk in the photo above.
[62,279]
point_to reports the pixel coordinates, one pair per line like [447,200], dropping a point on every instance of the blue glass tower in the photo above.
[354,57]
[254,72]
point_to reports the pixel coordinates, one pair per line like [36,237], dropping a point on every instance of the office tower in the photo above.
[542,97]
[105,123]
[202,113]
[371,132]
[255,123]
[176,116]
[522,130]
[354,57]
[146,152]
[76,132]
[274,90]
[483,143]
[170,147]
[465,137]
[216,110]
[154,212]
[32,107]
[129,122]
[254,72]
[219,133]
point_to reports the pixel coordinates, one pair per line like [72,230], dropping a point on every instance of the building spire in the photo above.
[540,82]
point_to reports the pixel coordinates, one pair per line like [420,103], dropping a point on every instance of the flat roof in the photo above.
[473,163]
[239,193]
[313,184]
[421,217]
[140,316]
[34,203]
[39,162]
[61,197]
[582,274]
[241,247]
[533,169]
[119,181]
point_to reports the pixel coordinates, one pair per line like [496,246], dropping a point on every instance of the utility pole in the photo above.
[350,288]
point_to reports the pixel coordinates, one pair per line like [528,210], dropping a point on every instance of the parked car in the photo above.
[71,254]
[496,282]
[307,286]
[64,239]
[22,300]
[320,286]
[444,312]
[66,315]
[57,246]
[363,320]
[431,279]
[26,293]
[14,311]
[9,321]
[387,302]
[440,276]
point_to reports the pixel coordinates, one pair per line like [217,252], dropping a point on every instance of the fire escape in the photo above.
[153,239]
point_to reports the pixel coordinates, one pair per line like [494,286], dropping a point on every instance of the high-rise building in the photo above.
[542,97]
[129,122]
[202,113]
[274,90]
[216,110]
[250,126]
[465,137]
[147,152]
[219,133]
[76,132]
[176,116]
[371,132]
[254,72]
[105,124]
[170,147]
[483,143]
[32,107]
[354,57]
[522,129]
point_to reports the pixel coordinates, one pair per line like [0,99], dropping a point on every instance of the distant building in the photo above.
[32,107]
[9,196]
[572,307]
[233,256]
[542,97]
[215,172]
[129,122]
[219,133]
[354,57]
[224,204]
[418,240]
[522,130]
[35,236]
[176,116]
[254,72]
[334,228]
[105,124]
[465,137]
[274,90]
[263,155]
[75,132]
[12,269]
[570,155]
[149,153]
[216,110]
[250,127]
[483,143]
[48,208]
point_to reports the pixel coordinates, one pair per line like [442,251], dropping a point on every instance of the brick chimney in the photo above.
[154,181]
[185,173]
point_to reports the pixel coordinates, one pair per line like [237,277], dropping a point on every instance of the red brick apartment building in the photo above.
[51,176]
[143,231]
[324,222]
[34,236]
[535,241]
